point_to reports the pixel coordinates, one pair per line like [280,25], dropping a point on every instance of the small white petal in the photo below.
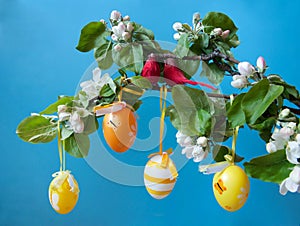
[176,36]
[282,189]
[202,141]
[177,26]
[271,147]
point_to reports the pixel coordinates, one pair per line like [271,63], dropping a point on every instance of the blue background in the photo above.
[39,61]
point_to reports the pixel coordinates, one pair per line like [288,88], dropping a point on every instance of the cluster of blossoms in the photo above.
[287,138]
[122,29]
[246,71]
[197,27]
[196,148]
[73,116]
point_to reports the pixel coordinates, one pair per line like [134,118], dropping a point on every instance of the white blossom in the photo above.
[126,18]
[202,141]
[199,153]
[298,138]
[218,31]
[176,36]
[61,108]
[180,138]
[271,147]
[292,183]
[114,37]
[239,81]
[293,152]
[245,68]
[284,113]
[119,29]
[115,15]
[177,26]
[126,36]
[187,151]
[76,122]
[130,27]
[196,16]
[93,87]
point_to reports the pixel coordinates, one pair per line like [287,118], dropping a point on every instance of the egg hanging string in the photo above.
[62,155]
[163,96]
[235,135]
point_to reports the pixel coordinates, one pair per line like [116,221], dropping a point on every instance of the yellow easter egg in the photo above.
[231,188]
[63,192]
[119,129]
[160,176]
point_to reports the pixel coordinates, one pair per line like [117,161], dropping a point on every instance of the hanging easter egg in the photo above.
[63,192]
[160,176]
[231,188]
[119,129]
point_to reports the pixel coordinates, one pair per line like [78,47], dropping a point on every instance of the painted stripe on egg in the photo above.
[153,192]
[159,180]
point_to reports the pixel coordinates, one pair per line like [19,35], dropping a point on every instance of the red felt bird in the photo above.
[173,75]
[151,69]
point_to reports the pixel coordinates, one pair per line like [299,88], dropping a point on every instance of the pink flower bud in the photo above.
[196,16]
[126,36]
[225,34]
[118,47]
[115,15]
[218,31]
[261,64]
[245,68]
[130,27]
[103,21]
[126,18]
[114,37]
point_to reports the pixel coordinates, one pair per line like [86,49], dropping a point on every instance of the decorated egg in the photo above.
[63,192]
[160,176]
[119,129]
[231,188]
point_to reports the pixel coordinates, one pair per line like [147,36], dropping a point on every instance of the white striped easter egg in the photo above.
[159,180]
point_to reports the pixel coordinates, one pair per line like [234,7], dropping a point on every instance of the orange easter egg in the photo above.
[119,129]
[231,188]
[63,192]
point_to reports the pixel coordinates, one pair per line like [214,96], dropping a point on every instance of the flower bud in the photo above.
[115,15]
[102,21]
[61,108]
[225,34]
[118,47]
[177,26]
[271,147]
[126,18]
[176,36]
[284,113]
[218,31]
[202,141]
[130,27]
[245,68]
[196,16]
[114,37]
[126,36]
[261,64]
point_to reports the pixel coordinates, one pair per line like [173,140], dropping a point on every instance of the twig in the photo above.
[294,110]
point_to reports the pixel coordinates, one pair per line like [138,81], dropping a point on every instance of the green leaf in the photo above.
[141,82]
[189,67]
[103,55]
[129,57]
[205,122]
[259,98]
[77,145]
[188,101]
[65,133]
[273,167]
[90,124]
[219,151]
[37,129]
[265,127]
[233,41]
[290,92]
[89,35]
[140,30]
[219,20]
[106,91]
[174,117]
[137,105]
[62,100]
[235,113]
[212,72]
